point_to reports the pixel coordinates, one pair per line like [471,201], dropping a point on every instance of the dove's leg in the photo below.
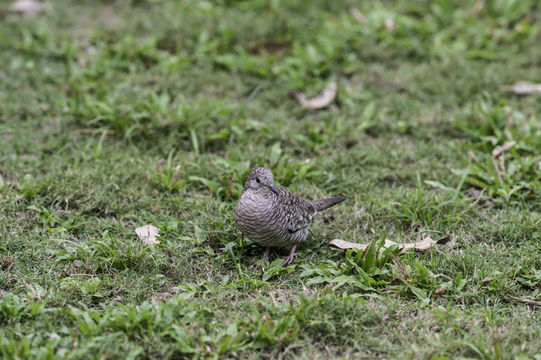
[266,255]
[289,259]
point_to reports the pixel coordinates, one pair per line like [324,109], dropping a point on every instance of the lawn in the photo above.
[118,114]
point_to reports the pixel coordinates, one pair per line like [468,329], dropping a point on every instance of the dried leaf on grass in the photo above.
[526,301]
[422,245]
[148,234]
[525,88]
[499,150]
[27,7]
[319,102]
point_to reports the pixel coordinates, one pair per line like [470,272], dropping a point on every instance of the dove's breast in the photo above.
[266,221]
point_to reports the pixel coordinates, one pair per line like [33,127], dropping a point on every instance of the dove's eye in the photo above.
[257,179]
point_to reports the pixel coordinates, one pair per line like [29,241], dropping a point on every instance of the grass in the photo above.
[118,114]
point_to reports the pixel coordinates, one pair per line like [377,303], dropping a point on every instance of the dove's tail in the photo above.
[328,202]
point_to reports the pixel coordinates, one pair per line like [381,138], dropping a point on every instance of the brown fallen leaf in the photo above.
[525,88]
[525,301]
[489,279]
[319,102]
[28,8]
[499,150]
[148,234]
[422,245]
[498,160]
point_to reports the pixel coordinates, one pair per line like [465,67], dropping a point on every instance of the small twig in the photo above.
[502,163]
[499,150]
[526,301]
[273,299]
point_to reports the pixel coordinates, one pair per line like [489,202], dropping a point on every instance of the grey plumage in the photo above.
[273,216]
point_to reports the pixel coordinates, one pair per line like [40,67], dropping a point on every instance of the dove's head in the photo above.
[260,179]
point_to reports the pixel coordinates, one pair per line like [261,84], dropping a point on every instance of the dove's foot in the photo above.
[266,255]
[289,259]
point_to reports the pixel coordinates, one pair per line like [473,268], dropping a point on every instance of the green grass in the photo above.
[119,114]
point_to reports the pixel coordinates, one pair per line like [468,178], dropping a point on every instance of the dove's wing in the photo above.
[298,213]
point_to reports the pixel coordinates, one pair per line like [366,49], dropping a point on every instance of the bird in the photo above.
[273,216]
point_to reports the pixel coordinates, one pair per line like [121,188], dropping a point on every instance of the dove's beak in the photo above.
[274,189]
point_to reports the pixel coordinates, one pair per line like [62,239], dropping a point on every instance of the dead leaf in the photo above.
[525,88]
[148,234]
[526,301]
[498,151]
[489,279]
[28,8]
[319,102]
[422,245]
[498,160]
